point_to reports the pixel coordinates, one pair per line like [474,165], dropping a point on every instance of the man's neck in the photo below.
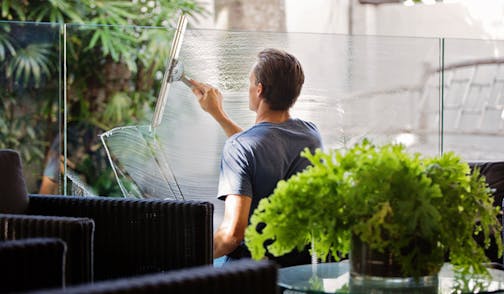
[272,116]
[265,114]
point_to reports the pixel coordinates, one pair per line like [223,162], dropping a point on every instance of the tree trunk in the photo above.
[257,15]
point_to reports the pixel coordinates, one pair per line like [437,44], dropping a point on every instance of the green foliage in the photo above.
[11,8]
[17,132]
[419,209]
[114,49]
[6,46]
[56,11]
[31,62]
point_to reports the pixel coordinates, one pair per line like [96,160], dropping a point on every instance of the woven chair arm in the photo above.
[29,264]
[77,233]
[137,236]
[244,277]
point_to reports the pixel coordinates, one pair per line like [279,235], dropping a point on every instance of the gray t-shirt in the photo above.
[253,161]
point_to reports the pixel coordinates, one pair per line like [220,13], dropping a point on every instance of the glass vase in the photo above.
[372,271]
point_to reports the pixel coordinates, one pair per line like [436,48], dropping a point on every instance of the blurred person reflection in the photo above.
[50,177]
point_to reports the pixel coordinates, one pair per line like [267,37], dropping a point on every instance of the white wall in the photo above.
[314,16]
[473,19]
[317,16]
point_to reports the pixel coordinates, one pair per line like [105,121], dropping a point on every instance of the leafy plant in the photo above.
[418,209]
[32,61]
[18,133]
[114,50]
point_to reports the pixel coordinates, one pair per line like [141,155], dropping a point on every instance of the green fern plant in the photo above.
[390,199]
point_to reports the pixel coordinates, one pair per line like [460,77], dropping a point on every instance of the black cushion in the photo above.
[13,194]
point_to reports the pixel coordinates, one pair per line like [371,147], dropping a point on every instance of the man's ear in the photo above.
[259,90]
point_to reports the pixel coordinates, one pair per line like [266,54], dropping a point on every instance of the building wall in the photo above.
[473,19]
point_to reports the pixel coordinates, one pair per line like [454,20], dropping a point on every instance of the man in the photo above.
[254,160]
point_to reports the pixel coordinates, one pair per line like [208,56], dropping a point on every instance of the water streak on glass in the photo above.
[77,186]
[141,163]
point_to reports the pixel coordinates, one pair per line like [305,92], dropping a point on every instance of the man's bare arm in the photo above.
[210,100]
[232,229]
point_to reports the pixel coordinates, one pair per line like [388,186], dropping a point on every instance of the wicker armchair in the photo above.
[77,233]
[244,277]
[138,236]
[106,237]
[32,264]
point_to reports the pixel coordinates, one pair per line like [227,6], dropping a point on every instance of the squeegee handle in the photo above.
[186,81]
[165,86]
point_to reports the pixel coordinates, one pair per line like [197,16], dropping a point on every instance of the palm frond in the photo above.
[117,43]
[13,5]
[31,62]
[6,45]
[157,48]
[57,11]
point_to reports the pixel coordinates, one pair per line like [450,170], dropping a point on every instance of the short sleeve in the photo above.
[235,170]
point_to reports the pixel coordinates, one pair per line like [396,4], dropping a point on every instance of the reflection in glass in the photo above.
[334,277]
[112,81]
[30,106]
[474,99]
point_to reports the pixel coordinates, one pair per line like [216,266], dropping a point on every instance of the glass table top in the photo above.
[335,278]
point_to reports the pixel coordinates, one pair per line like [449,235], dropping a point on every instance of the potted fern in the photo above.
[380,202]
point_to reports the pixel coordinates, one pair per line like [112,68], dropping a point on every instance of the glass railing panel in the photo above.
[113,79]
[355,87]
[473,104]
[30,101]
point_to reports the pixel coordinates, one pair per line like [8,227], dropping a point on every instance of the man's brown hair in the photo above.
[281,77]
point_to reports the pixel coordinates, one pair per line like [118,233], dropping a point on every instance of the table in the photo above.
[334,278]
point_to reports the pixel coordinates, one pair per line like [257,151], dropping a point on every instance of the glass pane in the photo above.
[114,76]
[30,108]
[473,99]
[355,87]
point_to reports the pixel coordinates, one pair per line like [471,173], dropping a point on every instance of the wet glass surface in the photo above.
[474,99]
[386,89]
[30,99]
[355,87]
